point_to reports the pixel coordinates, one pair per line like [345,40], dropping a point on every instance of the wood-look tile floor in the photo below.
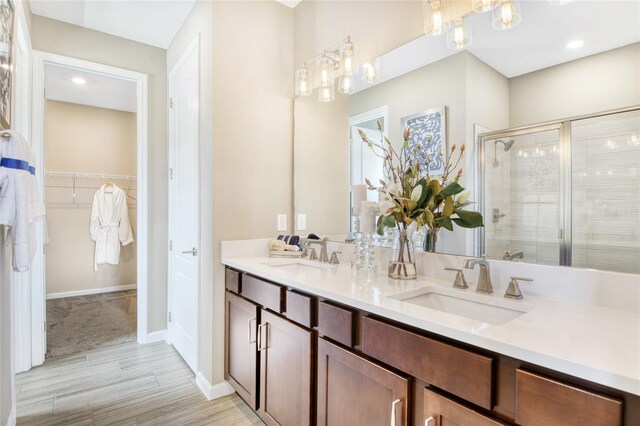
[127,384]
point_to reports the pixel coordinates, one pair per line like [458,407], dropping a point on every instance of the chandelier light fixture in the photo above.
[438,20]
[333,67]
[506,15]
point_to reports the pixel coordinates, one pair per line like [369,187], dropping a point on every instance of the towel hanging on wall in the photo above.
[110,226]
[20,203]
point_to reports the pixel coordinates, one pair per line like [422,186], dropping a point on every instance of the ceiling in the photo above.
[289,3]
[98,91]
[538,42]
[152,22]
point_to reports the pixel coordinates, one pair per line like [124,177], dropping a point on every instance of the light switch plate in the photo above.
[282,222]
[301,222]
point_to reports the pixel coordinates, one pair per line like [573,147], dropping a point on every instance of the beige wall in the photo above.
[199,24]
[596,83]
[321,163]
[70,40]
[252,136]
[374,26]
[84,139]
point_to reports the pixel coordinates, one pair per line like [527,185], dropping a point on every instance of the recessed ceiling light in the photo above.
[575,44]
[79,81]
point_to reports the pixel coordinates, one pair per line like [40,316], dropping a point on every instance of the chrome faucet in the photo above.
[484,279]
[324,257]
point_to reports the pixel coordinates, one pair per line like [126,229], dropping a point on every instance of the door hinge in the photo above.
[171,174]
[170,245]
[170,102]
[170,319]
[559,234]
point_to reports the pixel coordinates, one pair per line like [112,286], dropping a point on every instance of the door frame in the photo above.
[194,46]
[38,283]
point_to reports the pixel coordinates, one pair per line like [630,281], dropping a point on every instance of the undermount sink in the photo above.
[465,304]
[297,265]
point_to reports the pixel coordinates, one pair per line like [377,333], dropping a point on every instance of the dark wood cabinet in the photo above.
[285,371]
[442,411]
[543,401]
[355,391]
[241,351]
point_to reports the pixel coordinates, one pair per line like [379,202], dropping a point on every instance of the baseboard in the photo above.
[11,421]
[91,291]
[155,336]
[210,391]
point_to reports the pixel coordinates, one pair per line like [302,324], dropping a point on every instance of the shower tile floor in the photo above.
[82,323]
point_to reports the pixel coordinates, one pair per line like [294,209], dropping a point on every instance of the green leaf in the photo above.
[467,219]
[389,221]
[445,222]
[452,189]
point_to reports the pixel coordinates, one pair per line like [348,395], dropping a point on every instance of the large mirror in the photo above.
[548,111]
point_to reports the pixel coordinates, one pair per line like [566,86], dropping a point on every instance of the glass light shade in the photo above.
[436,18]
[458,36]
[369,72]
[480,6]
[346,83]
[303,82]
[506,15]
[326,92]
[324,72]
[347,54]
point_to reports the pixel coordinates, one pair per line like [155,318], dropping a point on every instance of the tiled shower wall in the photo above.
[606,192]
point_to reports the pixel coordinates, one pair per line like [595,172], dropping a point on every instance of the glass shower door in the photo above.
[522,196]
[605,192]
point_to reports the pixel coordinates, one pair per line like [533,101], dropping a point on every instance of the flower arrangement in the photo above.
[409,194]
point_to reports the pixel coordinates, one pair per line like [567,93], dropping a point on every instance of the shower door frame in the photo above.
[565,158]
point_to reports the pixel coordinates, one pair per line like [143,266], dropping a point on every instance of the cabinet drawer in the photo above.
[540,400]
[458,371]
[263,293]
[300,308]
[232,280]
[439,410]
[336,323]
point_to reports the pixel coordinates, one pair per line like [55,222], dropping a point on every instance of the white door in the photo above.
[183,205]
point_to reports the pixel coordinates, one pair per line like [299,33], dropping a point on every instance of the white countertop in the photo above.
[598,344]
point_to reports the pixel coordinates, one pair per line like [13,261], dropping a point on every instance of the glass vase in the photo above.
[431,240]
[402,265]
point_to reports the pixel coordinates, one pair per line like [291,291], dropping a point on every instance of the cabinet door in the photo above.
[285,372]
[354,391]
[241,366]
[441,411]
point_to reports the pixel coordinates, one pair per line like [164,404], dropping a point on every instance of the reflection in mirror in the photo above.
[536,207]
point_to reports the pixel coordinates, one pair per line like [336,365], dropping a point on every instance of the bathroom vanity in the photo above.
[310,343]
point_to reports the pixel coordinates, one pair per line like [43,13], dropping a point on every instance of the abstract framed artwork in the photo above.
[429,130]
[6,61]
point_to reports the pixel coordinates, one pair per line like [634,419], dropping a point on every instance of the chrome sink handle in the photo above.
[459,281]
[513,291]
[312,254]
[334,258]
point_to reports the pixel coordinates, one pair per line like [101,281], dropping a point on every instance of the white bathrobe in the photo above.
[110,224]
[20,203]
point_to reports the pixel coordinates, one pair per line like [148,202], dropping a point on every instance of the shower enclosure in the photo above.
[564,193]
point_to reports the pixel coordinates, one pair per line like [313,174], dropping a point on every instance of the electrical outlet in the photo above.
[282,222]
[301,222]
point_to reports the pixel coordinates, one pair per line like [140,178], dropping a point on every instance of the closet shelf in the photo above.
[70,188]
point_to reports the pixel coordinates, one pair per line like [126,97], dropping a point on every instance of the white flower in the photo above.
[395,188]
[463,197]
[416,193]
[386,203]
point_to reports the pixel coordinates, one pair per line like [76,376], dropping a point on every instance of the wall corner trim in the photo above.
[155,336]
[210,391]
